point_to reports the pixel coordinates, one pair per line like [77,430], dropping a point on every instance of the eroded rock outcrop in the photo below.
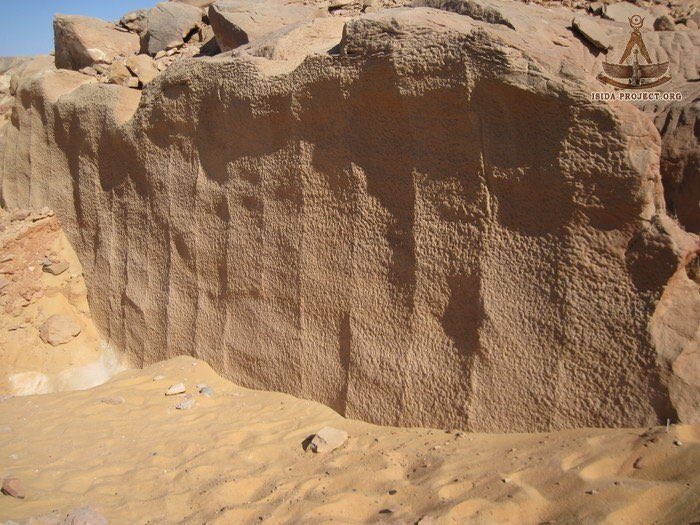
[429,223]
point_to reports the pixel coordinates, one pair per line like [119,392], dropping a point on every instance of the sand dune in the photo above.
[237,457]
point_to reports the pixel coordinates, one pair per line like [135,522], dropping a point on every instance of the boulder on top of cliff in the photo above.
[81,41]
[197,3]
[134,21]
[293,43]
[169,25]
[238,22]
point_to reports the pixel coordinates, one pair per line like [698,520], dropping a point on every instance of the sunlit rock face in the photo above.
[428,224]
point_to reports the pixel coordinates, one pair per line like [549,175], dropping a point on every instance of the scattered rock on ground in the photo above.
[13,487]
[207,391]
[56,268]
[188,403]
[59,329]
[176,389]
[328,439]
[113,400]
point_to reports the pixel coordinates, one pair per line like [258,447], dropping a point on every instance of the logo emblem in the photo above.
[637,76]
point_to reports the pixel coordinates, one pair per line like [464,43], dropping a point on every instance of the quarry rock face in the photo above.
[81,41]
[427,222]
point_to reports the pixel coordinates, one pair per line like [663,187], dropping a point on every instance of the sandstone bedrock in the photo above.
[429,225]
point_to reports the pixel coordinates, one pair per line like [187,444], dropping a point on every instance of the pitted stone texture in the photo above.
[433,225]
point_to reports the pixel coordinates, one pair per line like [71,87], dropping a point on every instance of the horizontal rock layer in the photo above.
[429,225]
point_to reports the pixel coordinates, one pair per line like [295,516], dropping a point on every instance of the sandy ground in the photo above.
[237,457]
[29,296]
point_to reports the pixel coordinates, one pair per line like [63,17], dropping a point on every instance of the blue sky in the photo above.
[26,26]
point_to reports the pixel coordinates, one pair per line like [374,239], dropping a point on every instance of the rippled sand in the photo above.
[238,458]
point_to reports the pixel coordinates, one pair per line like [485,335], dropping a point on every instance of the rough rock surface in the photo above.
[81,41]
[238,22]
[432,224]
[7,63]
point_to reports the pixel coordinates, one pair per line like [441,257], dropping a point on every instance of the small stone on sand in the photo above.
[57,268]
[188,403]
[113,400]
[207,391]
[328,439]
[13,487]
[176,389]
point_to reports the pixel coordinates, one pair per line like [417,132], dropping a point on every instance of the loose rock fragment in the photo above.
[113,400]
[593,32]
[207,391]
[58,330]
[188,403]
[118,73]
[13,487]
[56,269]
[176,389]
[143,67]
[328,439]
